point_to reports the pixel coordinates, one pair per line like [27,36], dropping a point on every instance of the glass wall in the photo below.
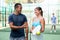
[48,7]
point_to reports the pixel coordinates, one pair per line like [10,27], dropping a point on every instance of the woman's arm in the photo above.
[32,26]
[43,25]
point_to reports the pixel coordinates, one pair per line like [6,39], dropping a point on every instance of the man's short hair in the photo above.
[16,5]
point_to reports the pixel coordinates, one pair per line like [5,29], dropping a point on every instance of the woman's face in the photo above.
[37,12]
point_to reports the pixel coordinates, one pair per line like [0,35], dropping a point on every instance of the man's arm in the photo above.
[11,24]
[25,25]
[14,27]
[26,29]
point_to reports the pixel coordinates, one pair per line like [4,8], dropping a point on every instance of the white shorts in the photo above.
[36,37]
[53,23]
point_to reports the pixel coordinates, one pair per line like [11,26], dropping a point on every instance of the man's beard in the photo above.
[19,11]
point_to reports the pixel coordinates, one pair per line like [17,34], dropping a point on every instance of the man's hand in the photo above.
[26,38]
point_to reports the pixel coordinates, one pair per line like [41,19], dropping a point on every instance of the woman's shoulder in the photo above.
[42,18]
[33,18]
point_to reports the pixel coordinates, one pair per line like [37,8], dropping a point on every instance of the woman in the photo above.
[36,20]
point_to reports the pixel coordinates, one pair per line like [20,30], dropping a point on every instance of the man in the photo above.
[53,19]
[18,22]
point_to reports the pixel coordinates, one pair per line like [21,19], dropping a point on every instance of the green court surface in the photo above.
[4,34]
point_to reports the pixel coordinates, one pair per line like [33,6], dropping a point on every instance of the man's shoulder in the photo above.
[11,14]
[23,15]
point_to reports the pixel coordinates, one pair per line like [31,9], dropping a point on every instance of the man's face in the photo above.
[53,14]
[19,9]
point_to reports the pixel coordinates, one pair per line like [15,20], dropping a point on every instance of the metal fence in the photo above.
[28,10]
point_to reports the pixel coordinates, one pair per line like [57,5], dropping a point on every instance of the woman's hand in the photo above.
[31,29]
